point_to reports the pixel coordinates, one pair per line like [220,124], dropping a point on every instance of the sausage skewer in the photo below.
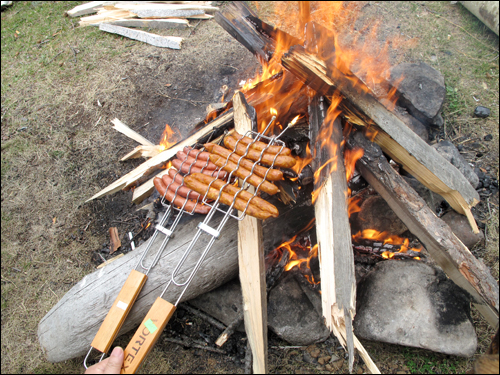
[179,201]
[225,198]
[267,158]
[243,173]
[272,175]
[259,146]
[231,189]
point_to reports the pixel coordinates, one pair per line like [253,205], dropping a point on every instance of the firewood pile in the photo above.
[118,17]
[332,123]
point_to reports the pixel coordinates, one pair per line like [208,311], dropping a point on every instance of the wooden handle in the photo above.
[119,311]
[146,335]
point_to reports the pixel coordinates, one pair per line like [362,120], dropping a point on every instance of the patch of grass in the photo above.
[454,104]
[430,363]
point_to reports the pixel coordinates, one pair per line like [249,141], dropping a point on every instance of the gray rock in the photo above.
[223,303]
[421,89]
[292,316]
[413,123]
[448,150]
[462,229]
[438,121]
[432,199]
[376,214]
[414,304]
[481,112]
[290,312]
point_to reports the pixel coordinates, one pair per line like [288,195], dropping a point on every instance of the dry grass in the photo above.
[56,151]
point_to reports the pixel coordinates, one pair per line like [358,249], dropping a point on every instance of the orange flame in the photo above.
[385,238]
[169,138]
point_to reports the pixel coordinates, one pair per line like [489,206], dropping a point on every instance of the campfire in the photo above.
[335,108]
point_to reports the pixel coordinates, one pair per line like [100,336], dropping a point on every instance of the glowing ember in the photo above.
[385,238]
[169,138]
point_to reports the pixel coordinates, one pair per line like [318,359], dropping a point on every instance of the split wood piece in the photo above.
[173,42]
[105,15]
[172,23]
[142,151]
[146,189]
[87,8]
[81,311]
[444,247]
[160,160]
[115,242]
[257,36]
[251,258]
[165,8]
[104,264]
[338,283]
[124,129]
[396,139]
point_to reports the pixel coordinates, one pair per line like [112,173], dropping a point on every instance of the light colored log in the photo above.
[67,330]
[251,260]
[124,129]
[105,16]
[172,23]
[159,6]
[143,151]
[173,42]
[146,189]
[87,8]
[157,162]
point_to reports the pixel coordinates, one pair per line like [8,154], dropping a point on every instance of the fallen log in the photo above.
[360,107]
[68,328]
[173,42]
[444,247]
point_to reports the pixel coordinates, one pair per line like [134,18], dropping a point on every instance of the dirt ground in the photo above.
[61,87]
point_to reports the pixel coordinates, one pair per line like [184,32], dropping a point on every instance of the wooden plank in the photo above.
[124,129]
[173,42]
[87,8]
[105,16]
[146,189]
[172,23]
[338,283]
[142,151]
[445,248]
[360,107]
[160,160]
[251,259]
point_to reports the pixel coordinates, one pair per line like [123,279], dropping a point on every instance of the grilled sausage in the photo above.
[267,158]
[179,201]
[225,198]
[231,189]
[241,172]
[259,146]
[202,155]
[272,175]
[179,189]
[185,168]
[199,163]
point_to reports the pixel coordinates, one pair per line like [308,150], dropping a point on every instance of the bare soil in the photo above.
[61,86]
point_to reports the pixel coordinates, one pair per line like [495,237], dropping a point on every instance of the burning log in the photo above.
[251,258]
[143,151]
[360,107]
[445,248]
[332,228]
